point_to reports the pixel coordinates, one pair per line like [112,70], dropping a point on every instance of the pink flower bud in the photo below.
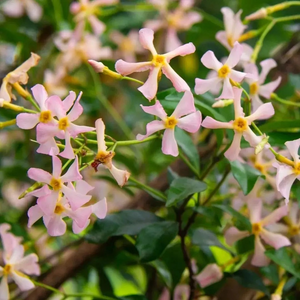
[212,273]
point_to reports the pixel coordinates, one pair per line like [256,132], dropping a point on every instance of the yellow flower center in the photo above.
[294,230]
[253,88]
[158,60]
[7,269]
[240,124]
[170,122]
[224,71]
[127,45]
[104,157]
[230,41]
[63,123]
[297,168]
[59,209]
[45,116]
[260,167]
[256,228]
[55,184]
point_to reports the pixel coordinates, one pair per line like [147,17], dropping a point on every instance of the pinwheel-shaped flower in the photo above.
[225,72]
[184,116]
[16,265]
[211,274]
[159,62]
[240,125]
[288,172]
[257,86]
[48,198]
[273,239]
[104,157]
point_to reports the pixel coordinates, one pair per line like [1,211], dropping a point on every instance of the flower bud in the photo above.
[223,103]
[99,67]
[212,273]
[259,14]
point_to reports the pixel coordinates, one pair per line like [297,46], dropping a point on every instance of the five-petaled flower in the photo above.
[240,125]
[159,62]
[184,116]
[273,239]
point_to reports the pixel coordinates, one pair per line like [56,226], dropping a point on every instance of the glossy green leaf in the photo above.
[163,271]
[182,188]
[153,239]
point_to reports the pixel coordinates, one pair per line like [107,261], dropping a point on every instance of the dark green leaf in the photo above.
[163,271]
[245,175]
[125,222]
[271,272]
[133,297]
[209,212]
[245,245]
[283,124]
[153,239]
[182,188]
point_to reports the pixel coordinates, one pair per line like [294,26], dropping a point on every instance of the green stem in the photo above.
[188,163]
[31,100]
[286,102]
[286,19]
[132,79]
[210,18]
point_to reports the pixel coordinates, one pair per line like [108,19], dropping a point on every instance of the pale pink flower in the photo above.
[234,28]
[17,8]
[180,19]
[19,75]
[55,81]
[62,128]
[81,216]
[104,157]
[181,292]
[16,265]
[286,174]
[240,125]
[225,73]
[47,198]
[86,10]
[257,86]
[275,240]
[184,116]
[159,62]
[211,274]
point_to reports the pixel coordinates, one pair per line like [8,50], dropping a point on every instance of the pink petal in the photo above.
[27,120]
[81,215]
[74,130]
[274,239]
[40,192]
[56,166]
[121,176]
[256,102]
[210,61]
[293,147]
[266,66]
[275,216]
[251,68]
[40,95]
[155,25]
[22,282]
[82,187]
[68,151]
[55,104]
[267,89]
[235,55]
[76,229]
[34,213]
[234,150]
[4,291]
[39,175]
[151,127]
[149,88]
[255,207]
[191,122]
[285,178]
[181,51]
[221,36]
[49,147]
[76,110]
[100,208]
[233,235]
[210,274]
[209,122]
[97,26]
[169,144]
[229,18]
[155,110]
[238,110]
[34,10]
[47,203]
[265,111]
[28,265]
[237,75]
[100,129]
[26,66]
[73,173]
[44,132]
[68,101]
[56,226]
[75,199]
[204,85]
[251,137]
[146,36]
[185,106]
[12,9]
[227,91]
[188,20]
[172,41]
[125,68]
[179,84]
[259,259]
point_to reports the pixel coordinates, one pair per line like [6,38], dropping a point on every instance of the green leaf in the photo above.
[163,271]
[129,222]
[271,272]
[182,188]
[282,258]
[187,145]
[245,245]
[241,222]
[133,297]
[153,239]
[245,175]
[202,237]
[250,280]
[283,124]
[209,212]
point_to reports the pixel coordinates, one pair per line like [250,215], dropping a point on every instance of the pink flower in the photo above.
[181,19]
[225,72]
[104,157]
[62,128]
[275,240]
[159,62]
[211,274]
[257,86]
[287,174]
[81,216]
[47,198]
[234,28]
[88,10]
[181,292]
[19,75]
[15,264]
[17,8]
[55,81]
[184,116]
[240,125]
